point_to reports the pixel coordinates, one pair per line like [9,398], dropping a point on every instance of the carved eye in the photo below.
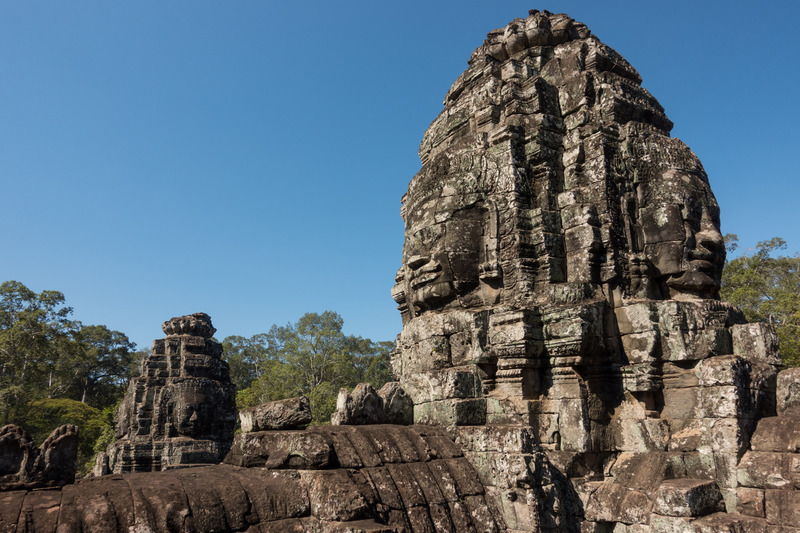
[417,261]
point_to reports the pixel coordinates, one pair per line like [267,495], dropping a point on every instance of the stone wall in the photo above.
[357,479]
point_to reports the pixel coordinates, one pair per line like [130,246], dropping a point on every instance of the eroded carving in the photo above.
[181,410]
[561,271]
[24,466]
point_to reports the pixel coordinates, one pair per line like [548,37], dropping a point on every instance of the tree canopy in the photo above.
[311,357]
[766,287]
[55,370]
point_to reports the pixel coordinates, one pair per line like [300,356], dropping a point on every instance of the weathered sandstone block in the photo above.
[362,406]
[688,497]
[365,405]
[788,392]
[292,413]
[397,404]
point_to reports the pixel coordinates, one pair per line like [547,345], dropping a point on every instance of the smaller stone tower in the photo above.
[181,409]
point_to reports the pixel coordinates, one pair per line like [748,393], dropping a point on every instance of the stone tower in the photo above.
[181,410]
[559,288]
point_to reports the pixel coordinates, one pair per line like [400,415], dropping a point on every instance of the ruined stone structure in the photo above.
[569,363]
[559,294]
[181,410]
[24,466]
[347,479]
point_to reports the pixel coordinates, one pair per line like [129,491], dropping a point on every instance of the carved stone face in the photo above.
[680,225]
[442,252]
[192,409]
[515,37]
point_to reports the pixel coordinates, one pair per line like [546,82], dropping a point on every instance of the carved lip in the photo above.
[696,279]
[425,274]
[703,259]
[398,293]
[703,264]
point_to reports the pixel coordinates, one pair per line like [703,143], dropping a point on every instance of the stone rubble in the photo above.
[24,466]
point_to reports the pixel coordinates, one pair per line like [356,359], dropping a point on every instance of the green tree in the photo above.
[32,329]
[311,357]
[766,287]
[246,357]
[101,364]
[43,416]
[54,370]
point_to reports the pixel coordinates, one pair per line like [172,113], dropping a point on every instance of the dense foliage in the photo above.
[54,370]
[311,357]
[766,287]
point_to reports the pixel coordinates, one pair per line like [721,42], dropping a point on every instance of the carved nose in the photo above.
[416,261]
[709,246]
[710,240]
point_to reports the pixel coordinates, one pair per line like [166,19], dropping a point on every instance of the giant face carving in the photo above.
[442,255]
[192,407]
[449,243]
[680,225]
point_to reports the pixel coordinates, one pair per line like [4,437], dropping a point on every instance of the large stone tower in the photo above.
[559,286]
[570,363]
[182,409]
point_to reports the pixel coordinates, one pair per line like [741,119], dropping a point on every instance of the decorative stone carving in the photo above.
[397,404]
[560,274]
[362,406]
[24,466]
[181,410]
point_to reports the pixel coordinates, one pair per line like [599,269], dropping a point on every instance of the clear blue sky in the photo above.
[247,158]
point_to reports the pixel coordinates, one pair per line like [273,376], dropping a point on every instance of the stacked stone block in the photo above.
[769,473]
[402,478]
[560,280]
[181,410]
